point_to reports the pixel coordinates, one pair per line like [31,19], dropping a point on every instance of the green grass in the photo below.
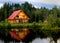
[30,25]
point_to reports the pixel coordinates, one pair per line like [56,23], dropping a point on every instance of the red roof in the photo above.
[14,36]
[14,14]
[17,37]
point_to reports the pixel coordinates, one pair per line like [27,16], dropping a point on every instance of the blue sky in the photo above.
[36,3]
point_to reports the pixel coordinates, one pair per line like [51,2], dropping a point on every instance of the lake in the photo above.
[37,40]
[32,35]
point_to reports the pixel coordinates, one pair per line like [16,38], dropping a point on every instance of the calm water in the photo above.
[37,40]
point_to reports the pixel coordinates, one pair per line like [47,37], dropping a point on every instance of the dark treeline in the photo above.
[35,14]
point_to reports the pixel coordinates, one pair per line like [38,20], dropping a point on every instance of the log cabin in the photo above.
[18,17]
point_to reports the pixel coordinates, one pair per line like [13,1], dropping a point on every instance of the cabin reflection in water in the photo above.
[19,34]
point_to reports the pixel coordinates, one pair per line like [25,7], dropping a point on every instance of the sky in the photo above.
[35,3]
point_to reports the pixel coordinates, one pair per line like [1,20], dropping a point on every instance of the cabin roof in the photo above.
[14,14]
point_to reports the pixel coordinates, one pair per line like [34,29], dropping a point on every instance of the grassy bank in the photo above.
[40,25]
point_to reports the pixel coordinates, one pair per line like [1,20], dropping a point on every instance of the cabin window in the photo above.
[23,17]
[16,21]
[24,21]
[17,16]
[20,11]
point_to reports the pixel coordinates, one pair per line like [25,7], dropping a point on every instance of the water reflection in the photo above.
[1,41]
[19,34]
[27,36]
[38,40]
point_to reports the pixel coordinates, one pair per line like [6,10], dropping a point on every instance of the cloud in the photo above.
[39,5]
[36,3]
[36,6]
[54,2]
[1,5]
